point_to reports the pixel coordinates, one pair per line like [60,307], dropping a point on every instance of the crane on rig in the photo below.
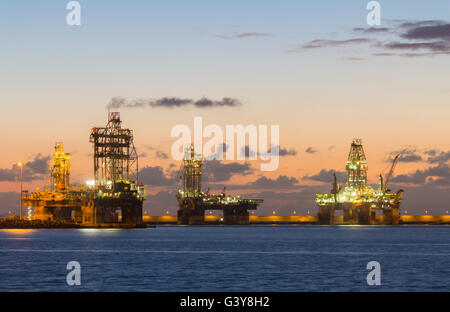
[384,183]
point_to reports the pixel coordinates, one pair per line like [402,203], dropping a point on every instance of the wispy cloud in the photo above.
[371,30]
[158,153]
[162,155]
[352,58]
[244,35]
[310,150]
[323,43]
[409,39]
[171,102]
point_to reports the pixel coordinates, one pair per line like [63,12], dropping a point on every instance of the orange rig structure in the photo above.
[358,201]
[113,199]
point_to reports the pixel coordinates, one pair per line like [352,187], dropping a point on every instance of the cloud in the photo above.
[171,102]
[244,35]
[219,152]
[431,152]
[440,158]
[281,181]
[351,58]
[283,151]
[155,176]
[433,30]
[437,46]
[323,43]
[325,176]
[204,102]
[9,174]
[405,55]
[158,153]
[286,152]
[406,155]
[216,171]
[35,169]
[39,165]
[419,38]
[432,156]
[413,24]
[310,150]
[410,158]
[161,155]
[438,175]
[371,30]
[407,39]
[246,151]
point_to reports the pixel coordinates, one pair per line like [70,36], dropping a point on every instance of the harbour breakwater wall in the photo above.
[405,219]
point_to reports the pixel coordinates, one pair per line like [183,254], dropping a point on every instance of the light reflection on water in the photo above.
[17,231]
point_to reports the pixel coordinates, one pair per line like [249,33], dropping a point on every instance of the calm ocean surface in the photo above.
[228,258]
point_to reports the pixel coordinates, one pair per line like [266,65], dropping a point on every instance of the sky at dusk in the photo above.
[315,68]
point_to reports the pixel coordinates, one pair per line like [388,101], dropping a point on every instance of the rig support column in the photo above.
[391,216]
[366,215]
[233,216]
[191,216]
[326,215]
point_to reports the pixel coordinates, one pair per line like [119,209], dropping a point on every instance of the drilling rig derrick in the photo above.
[115,157]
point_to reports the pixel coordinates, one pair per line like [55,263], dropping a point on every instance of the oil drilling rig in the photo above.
[193,202]
[113,198]
[358,200]
[115,190]
[61,202]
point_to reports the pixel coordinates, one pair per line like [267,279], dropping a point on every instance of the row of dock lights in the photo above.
[274,212]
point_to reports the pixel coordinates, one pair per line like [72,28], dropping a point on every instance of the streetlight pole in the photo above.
[21,187]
